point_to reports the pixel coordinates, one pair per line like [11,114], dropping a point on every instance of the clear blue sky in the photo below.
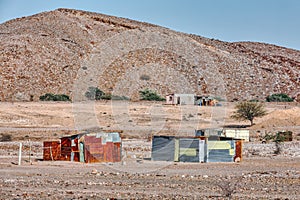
[270,21]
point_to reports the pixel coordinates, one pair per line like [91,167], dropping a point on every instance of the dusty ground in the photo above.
[260,175]
[50,120]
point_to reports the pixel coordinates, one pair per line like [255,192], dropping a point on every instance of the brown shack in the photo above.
[88,148]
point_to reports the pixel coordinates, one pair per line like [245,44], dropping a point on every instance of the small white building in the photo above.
[180,99]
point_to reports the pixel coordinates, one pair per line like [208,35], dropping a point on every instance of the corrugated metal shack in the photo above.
[88,148]
[181,149]
[196,149]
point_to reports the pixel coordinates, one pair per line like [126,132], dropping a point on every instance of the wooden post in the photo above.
[51,153]
[177,149]
[20,153]
[29,152]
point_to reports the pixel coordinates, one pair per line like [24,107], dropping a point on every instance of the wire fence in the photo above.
[21,152]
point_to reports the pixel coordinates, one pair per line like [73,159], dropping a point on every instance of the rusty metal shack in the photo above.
[87,147]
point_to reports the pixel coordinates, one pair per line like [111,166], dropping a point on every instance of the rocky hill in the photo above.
[66,51]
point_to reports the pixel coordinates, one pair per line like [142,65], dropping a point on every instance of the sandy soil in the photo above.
[50,120]
[260,175]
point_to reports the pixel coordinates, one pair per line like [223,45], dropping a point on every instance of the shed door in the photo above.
[81,152]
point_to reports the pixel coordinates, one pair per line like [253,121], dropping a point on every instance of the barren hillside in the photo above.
[66,51]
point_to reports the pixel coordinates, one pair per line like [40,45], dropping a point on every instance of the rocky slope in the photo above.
[66,51]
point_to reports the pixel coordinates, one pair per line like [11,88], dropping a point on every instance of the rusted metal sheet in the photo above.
[52,150]
[90,148]
[99,150]
[238,150]
[66,149]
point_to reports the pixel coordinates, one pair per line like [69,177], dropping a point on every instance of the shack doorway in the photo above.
[81,152]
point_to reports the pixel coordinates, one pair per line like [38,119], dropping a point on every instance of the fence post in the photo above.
[20,153]
[51,153]
[30,152]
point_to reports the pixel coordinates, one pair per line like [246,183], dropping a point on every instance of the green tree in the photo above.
[150,95]
[279,98]
[248,111]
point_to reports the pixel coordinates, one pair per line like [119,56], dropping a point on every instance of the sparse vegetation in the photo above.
[55,97]
[248,111]
[5,138]
[229,187]
[113,97]
[279,98]
[145,77]
[94,93]
[150,95]
[278,138]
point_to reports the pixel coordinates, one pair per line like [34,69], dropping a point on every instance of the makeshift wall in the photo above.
[69,148]
[238,134]
[191,150]
[102,148]
[90,148]
[195,149]
[170,148]
[52,150]
[220,151]
[163,148]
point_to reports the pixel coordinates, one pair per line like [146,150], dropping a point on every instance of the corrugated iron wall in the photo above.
[220,151]
[188,150]
[90,148]
[52,150]
[163,148]
[98,150]
[238,150]
[170,148]
[66,149]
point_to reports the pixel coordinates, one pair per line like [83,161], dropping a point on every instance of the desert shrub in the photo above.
[229,187]
[124,98]
[145,77]
[5,138]
[94,93]
[54,97]
[279,98]
[150,95]
[106,97]
[278,138]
